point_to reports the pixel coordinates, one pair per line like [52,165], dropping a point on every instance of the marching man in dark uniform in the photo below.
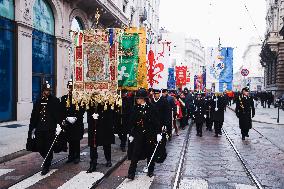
[74,126]
[245,111]
[44,124]
[144,134]
[172,112]
[100,133]
[199,113]
[218,107]
[208,104]
[164,110]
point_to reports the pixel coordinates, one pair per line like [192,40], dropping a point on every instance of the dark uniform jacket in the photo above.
[221,104]
[172,104]
[74,131]
[164,111]
[245,111]
[189,103]
[200,110]
[45,115]
[100,132]
[145,126]
[208,105]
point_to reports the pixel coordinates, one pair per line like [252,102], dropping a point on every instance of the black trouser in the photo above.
[244,132]
[199,128]
[94,153]
[183,122]
[74,149]
[123,139]
[44,142]
[209,124]
[218,127]
[139,145]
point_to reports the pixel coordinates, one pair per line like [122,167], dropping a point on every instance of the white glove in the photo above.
[33,133]
[216,109]
[205,116]
[96,116]
[159,137]
[58,129]
[71,120]
[131,138]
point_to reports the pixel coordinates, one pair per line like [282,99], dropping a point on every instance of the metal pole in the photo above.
[278,114]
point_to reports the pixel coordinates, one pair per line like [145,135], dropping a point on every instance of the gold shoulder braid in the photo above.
[241,103]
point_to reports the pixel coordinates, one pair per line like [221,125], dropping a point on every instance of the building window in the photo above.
[7,60]
[43,47]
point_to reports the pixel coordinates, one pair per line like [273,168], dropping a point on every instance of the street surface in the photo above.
[192,162]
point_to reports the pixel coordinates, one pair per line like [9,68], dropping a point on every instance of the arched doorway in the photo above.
[7,60]
[43,47]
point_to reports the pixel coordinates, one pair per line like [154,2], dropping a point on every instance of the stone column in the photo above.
[24,59]
[62,65]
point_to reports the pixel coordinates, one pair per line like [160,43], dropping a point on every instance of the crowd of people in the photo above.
[145,121]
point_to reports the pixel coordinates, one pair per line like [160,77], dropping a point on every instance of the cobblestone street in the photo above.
[207,162]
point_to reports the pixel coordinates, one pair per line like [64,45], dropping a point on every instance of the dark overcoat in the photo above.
[220,103]
[45,116]
[145,126]
[74,131]
[200,110]
[100,132]
[245,111]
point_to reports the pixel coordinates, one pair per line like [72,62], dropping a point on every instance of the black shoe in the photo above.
[210,129]
[76,161]
[243,138]
[247,135]
[200,134]
[93,167]
[131,176]
[220,133]
[108,164]
[150,174]
[45,170]
[216,135]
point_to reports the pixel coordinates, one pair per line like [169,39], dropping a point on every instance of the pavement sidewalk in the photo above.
[13,138]
[266,115]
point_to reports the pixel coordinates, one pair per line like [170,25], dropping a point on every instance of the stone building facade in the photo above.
[35,41]
[272,53]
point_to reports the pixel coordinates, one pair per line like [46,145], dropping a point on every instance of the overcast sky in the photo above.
[208,20]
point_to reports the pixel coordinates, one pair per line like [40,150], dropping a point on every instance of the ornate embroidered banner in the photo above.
[158,64]
[181,75]
[142,67]
[96,62]
[128,61]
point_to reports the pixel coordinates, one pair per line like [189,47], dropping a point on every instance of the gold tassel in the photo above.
[68,102]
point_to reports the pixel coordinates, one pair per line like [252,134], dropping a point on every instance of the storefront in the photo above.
[7,60]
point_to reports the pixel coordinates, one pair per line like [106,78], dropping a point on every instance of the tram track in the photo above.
[246,168]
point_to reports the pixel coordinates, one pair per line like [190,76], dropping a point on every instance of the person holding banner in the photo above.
[44,123]
[145,133]
[74,125]
[100,133]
